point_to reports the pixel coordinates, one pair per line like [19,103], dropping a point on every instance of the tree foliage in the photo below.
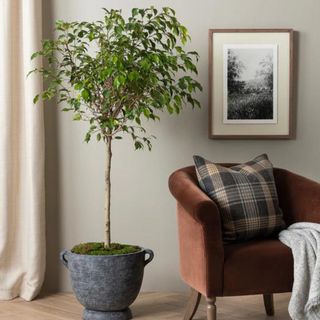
[235,69]
[114,72]
[266,72]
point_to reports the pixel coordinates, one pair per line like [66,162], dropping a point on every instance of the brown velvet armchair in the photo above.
[213,269]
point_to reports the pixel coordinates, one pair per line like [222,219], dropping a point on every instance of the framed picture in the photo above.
[250,84]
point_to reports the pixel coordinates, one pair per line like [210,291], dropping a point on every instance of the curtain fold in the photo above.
[22,215]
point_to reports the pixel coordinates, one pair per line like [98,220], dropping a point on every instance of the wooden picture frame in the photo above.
[242,107]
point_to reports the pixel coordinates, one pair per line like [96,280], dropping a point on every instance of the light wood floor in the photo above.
[156,306]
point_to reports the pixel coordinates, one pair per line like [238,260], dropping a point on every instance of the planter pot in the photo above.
[106,285]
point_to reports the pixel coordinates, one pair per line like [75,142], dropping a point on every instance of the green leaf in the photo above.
[34,55]
[155,58]
[170,109]
[105,73]
[138,145]
[87,137]
[145,64]
[116,82]
[142,12]
[138,121]
[85,94]
[133,75]
[146,113]
[118,30]
[82,33]
[36,99]
[78,86]
[98,136]
[178,100]
[91,36]
[122,79]
[77,117]
[119,81]
[134,12]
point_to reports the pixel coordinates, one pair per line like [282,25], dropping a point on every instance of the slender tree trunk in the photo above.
[107,195]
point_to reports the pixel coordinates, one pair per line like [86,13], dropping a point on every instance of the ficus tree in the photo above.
[115,72]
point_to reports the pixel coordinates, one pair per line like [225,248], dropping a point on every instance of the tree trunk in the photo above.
[107,194]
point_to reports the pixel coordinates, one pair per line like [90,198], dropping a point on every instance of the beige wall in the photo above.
[143,211]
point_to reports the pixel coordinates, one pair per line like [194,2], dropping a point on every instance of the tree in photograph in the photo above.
[235,68]
[266,72]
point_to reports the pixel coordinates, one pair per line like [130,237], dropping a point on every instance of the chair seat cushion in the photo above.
[257,267]
[246,196]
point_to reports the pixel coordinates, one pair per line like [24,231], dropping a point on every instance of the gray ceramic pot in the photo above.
[106,285]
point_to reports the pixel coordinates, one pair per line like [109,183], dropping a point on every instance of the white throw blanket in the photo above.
[304,240]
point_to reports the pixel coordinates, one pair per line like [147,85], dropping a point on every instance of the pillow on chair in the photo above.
[246,196]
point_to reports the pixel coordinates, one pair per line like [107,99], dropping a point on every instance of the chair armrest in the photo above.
[197,204]
[299,197]
[200,235]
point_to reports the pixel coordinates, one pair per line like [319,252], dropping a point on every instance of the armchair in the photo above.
[213,269]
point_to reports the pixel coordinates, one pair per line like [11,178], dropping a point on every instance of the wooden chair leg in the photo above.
[192,305]
[211,309]
[268,304]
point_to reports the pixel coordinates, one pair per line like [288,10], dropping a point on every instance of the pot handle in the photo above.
[151,256]
[63,259]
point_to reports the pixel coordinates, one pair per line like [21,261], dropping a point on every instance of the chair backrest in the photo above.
[284,195]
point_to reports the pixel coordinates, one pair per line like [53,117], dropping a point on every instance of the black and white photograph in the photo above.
[250,83]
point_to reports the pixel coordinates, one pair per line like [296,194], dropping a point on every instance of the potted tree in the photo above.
[112,73]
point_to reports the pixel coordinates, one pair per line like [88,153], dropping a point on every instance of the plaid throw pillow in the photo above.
[246,196]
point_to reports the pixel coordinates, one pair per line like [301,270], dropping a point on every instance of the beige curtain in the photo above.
[22,241]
